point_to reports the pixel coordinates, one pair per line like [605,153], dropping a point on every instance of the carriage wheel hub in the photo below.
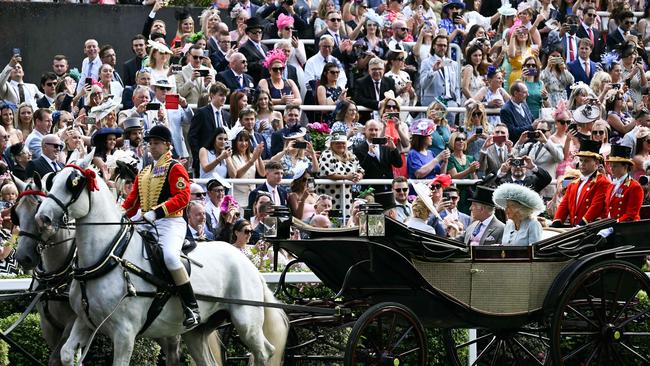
[388,359]
[612,332]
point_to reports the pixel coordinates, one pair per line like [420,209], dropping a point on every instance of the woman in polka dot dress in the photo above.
[338,163]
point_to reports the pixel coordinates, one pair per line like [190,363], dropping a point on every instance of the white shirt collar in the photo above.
[268,186]
[487,221]
[214,109]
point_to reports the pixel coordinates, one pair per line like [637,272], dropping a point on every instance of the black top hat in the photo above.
[589,149]
[483,195]
[160,132]
[620,154]
[253,23]
[182,14]
[386,200]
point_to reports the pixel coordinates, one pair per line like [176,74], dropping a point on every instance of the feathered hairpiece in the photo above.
[237,11]
[368,192]
[274,55]
[372,16]
[443,179]
[75,74]
[491,70]
[560,110]
[228,201]
[195,37]
[284,21]
[608,60]
[8,104]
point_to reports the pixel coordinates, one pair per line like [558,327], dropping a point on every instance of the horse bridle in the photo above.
[14,216]
[75,183]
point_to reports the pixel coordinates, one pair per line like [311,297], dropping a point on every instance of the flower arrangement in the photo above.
[318,132]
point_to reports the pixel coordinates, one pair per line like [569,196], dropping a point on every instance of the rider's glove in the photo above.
[149,216]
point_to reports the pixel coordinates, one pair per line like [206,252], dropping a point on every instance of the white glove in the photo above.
[149,216]
[606,232]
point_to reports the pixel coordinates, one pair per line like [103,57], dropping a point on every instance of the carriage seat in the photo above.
[317,232]
[155,255]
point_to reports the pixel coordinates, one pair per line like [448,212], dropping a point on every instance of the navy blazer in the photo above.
[43,102]
[535,180]
[598,41]
[128,71]
[575,68]
[283,192]
[378,169]
[40,166]
[516,123]
[230,80]
[255,59]
[218,59]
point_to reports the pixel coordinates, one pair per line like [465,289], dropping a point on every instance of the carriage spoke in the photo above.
[582,316]
[591,356]
[474,340]
[578,350]
[622,311]
[496,353]
[527,351]
[511,348]
[635,353]
[406,353]
[619,285]
[646,311]
[483,352]
[401,338]
[391,334]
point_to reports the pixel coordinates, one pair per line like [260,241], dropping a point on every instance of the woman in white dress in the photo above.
[159,63]
[213,158]
[244,163]
[396,60]
[522,205]
[472,80]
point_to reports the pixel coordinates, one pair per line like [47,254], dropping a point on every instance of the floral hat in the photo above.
[284,21]
[422,127]
[274,55]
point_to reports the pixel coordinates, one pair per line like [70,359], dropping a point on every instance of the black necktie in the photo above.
[377,90]
[56,167]
[21,92]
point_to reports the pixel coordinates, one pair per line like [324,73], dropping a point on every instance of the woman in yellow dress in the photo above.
[519,48]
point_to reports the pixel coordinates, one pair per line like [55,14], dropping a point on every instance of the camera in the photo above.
[300,144]
[446,196]
[204,72]
[479,130]
[152,106]
[177,44]
[517,162]
[176,68]
[616,86]
[90,120]
[532,135]
[644,180]
[311,185]
[379,140]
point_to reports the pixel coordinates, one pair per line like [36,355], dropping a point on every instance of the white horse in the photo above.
[54,259]
[225,273]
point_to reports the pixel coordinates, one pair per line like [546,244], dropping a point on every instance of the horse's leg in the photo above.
[197,341]
[249,322]
[52,336]
[276,328]
[78,338]
[171,348]
[123,342]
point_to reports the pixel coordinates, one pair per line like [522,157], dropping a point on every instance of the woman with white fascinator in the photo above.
[521,205]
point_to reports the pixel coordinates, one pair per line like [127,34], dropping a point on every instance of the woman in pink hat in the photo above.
[282,90]
[286,30]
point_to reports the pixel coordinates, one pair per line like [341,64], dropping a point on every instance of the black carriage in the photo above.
[573,298]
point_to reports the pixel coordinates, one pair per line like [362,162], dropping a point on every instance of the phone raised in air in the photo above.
[379,140]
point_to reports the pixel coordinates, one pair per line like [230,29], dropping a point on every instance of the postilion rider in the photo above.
[161,191]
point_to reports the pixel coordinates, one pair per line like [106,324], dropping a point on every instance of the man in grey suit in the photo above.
[496,150]
[486,229]
[439,76]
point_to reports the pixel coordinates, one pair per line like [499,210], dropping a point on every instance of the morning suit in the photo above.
[129,69]
[443,83]
[597,40]
[43,102]
[283,192]
[615,38]
[491,235]
[516,122]
[230,80]
[576,68]
[41,166]
[624,204]
[366,95]
[381,168]
[536,180]
[202,130]
[590,206]
[254,58]
[217,58]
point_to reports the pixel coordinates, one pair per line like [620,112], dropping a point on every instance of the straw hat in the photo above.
[424,193]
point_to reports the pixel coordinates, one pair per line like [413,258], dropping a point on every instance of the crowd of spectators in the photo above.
[515,95]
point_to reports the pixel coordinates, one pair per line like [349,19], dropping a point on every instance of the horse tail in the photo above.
[275,328]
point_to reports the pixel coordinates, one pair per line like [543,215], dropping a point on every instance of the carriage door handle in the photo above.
[476,270]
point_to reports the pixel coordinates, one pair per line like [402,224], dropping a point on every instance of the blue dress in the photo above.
[530,232]
[415,160]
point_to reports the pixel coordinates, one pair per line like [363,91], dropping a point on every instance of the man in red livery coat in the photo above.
[160,193]
[625,195]
[584,201]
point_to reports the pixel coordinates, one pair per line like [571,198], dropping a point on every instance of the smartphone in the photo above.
[499,139]
[233,44]
[532,135]
[204,72]
[446,196]
[300,144]
[152,106]
[311,185]
[639,60]
[228,145]
[16,51]
[393,115]
[176,68]
[379,140]
[479,130]
[90,120]
[616,86]
[177,44]
[89,81]
[573,127]
[566,182]
[206,53]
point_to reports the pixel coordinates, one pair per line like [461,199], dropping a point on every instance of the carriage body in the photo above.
[450,286]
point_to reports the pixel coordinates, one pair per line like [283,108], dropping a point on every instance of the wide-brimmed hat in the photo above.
[217,181]
[338,137]
[507,10]
[299,169]
[520,194]
[294,135]
[16,148]
[523,6]
[424,193]
[162,83]
[422,127]
[160,47]
[586,113]
[101,134]
[102,110]
[253,23]
[450,3]
[483,195]
[620,154]
[589,149]
[159,132]
[133,123]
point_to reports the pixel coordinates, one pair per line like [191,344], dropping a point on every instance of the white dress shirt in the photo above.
[476,239]
[89,72]
[315,65]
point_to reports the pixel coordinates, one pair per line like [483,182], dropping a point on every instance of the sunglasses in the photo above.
[436,186]
[403,29]
[391,107]
[50,84]
[543,131]
[277,69]
[530,66]
[629,22]
[477,114]
[289,28]
[590,14]
[60,147]
[401,189]
[399,59]
[256,31]
[564,122]
[200,194]
[335,20]
[595,133]
[461,139]
[196,57]
[334,72]
[247,231]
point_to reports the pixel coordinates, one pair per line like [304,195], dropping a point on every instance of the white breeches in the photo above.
[171,235]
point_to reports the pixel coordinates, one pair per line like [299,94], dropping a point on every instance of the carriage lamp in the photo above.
[371,220]
[277,223]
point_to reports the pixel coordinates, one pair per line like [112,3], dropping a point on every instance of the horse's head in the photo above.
[22,215]
[69,196]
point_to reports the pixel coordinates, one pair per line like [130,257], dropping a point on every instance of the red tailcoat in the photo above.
[590,206]
[625,203]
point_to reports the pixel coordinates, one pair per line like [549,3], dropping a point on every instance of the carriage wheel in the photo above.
[387,334]
[528,345]
[604,318]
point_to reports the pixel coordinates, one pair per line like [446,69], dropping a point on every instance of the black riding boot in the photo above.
[190,307]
